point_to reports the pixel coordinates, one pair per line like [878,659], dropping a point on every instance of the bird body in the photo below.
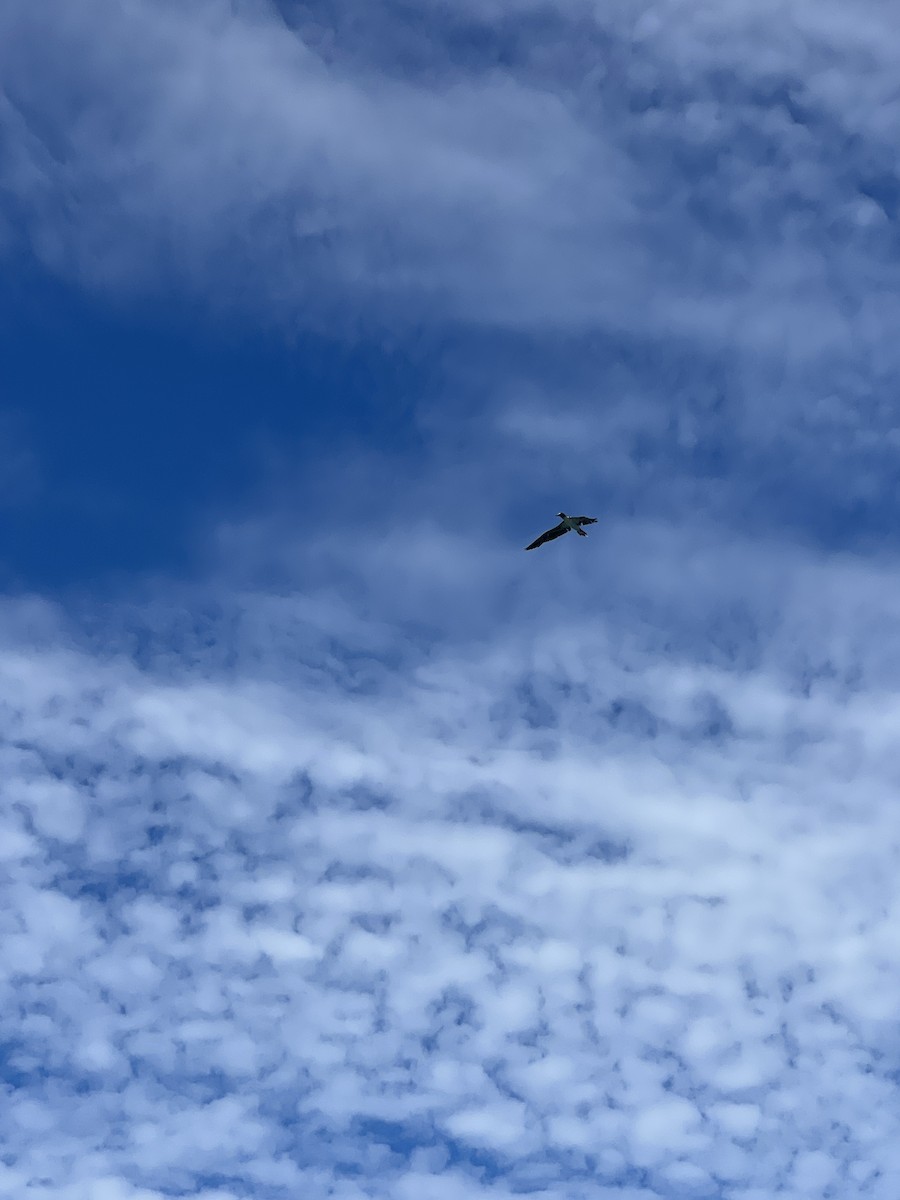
[566,524]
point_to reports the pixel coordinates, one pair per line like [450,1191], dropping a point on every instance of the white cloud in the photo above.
[673,168]
[307,930]
[462,874]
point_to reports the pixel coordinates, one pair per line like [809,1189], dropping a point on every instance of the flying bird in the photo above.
[565,524]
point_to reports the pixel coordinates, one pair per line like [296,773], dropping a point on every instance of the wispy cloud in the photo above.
[583,177]
[681,220]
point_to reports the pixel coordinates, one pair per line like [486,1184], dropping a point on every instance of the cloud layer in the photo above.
[675,224]
[385,860]
[541,166]
[378,916]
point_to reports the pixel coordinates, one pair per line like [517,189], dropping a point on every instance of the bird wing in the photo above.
[555,532]
[586,520]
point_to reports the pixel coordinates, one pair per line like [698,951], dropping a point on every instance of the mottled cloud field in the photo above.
[380,859]
[556,914]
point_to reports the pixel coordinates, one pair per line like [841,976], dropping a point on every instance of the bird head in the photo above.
[563,515]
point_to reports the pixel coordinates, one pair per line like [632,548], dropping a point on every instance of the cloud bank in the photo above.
[537,166]
[553,914]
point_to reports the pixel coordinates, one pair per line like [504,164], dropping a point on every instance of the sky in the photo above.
[346,850]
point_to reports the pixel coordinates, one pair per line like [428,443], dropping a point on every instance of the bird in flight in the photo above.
[565,524]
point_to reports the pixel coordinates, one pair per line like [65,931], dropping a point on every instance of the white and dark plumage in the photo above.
[565,524]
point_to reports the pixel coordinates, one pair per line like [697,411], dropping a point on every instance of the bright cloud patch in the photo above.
[270,936]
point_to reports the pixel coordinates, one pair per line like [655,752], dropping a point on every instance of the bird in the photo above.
[565,524]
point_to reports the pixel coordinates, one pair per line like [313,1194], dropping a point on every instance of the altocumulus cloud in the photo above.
[435,871]
[556,913]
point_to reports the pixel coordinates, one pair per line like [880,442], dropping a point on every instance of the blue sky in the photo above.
[348,851]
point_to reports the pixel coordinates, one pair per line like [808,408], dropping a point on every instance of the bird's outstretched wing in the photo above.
[555,532]
[586,520]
